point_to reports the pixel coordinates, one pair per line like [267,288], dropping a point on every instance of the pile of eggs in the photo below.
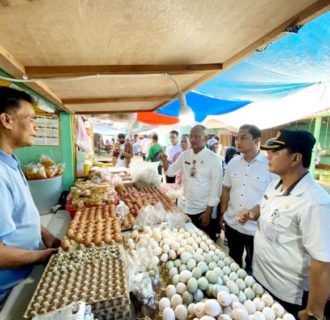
[94,226]
[204,283]
[137,199]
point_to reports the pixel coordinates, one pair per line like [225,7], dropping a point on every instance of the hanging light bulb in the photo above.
[186,115]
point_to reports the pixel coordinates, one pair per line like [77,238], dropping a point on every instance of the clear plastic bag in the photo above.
[47,161]
[145,174]
[157,215]
[34,171]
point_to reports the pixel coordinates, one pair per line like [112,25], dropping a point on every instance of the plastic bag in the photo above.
[157,215]
[145,174]
[51,171]
[46,161]
[143,275]
[122,211]
[34,171]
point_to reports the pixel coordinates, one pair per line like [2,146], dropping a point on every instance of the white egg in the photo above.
[267,299]
[164,303]
[250,307]
[176,300]
[170,291]
[181,287]
[199,309]
[185,275]
[181,312]
[168,314]
[259,304]
[212,307]
[278,310]
[191,309]
[239,314]
[268,313]
[224,298]
[288,316]
[172,254]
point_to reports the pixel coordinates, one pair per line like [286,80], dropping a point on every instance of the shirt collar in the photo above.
[258,157]
[200,153]
[10,160]
[301,186]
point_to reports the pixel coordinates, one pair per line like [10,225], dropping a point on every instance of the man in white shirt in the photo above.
[246,179]
[172,152]
[202,178]
[292,243]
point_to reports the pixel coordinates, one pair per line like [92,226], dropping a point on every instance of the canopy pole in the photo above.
[317,131]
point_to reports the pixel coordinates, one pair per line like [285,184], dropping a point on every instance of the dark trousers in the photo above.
[195,220]
[236,243]
[170,179]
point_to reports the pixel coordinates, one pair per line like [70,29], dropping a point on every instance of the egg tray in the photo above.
[98,226]
[114,313]
[70,276]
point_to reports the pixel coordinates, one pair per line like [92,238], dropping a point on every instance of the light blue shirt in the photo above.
[19,218]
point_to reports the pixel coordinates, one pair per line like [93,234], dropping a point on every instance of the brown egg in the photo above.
[107,238]
[65,245]
[97,240]
[78,238]
[117,237]
[70,233]
[87,241]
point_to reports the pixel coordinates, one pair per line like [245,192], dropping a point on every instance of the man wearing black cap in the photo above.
[292,243]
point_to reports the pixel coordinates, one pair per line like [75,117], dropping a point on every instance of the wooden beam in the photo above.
[83,101]
[112,111]
[44,72]
[17,70]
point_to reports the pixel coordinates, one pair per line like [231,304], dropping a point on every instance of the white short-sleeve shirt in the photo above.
[292,229]
[247,182]
[204,188]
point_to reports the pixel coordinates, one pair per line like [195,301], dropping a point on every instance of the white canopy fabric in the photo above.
[269,114]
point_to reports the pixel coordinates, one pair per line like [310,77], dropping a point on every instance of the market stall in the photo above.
[130,253]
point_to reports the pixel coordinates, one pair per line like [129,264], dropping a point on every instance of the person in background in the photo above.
[122,152]
[185,145]
[231,153]
[292,242]
[215,226]
[136,145]
[246,179]
[172,150]
[23,241]
[201,182]
[154,151]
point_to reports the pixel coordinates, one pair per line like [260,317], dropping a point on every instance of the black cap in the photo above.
[299,140]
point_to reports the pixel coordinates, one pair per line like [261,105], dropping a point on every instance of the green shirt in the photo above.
[155,149]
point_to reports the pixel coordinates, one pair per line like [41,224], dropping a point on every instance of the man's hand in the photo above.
[163,156]
[42,256]
[243,216]
[205,217]
[222,222]
[49,240]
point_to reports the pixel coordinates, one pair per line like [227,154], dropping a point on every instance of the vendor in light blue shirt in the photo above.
[23,242]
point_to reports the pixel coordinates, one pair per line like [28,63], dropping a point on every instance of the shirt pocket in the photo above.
[282,224]
[259,182]
[235,175]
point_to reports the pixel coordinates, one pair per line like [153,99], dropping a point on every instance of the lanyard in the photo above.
[288,191]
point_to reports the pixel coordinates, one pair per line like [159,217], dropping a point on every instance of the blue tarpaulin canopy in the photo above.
[286,67]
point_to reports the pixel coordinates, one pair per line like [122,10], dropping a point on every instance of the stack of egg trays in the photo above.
[96,276]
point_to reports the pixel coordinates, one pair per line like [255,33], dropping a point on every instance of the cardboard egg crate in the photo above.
[96,276]
[93,227]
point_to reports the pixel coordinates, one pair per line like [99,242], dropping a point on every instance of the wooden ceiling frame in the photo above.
[208,71]
[45,72]
[17,70]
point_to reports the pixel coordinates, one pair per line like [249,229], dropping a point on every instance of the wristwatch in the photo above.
[311,316]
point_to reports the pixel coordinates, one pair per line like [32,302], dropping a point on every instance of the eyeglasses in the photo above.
[193,169]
